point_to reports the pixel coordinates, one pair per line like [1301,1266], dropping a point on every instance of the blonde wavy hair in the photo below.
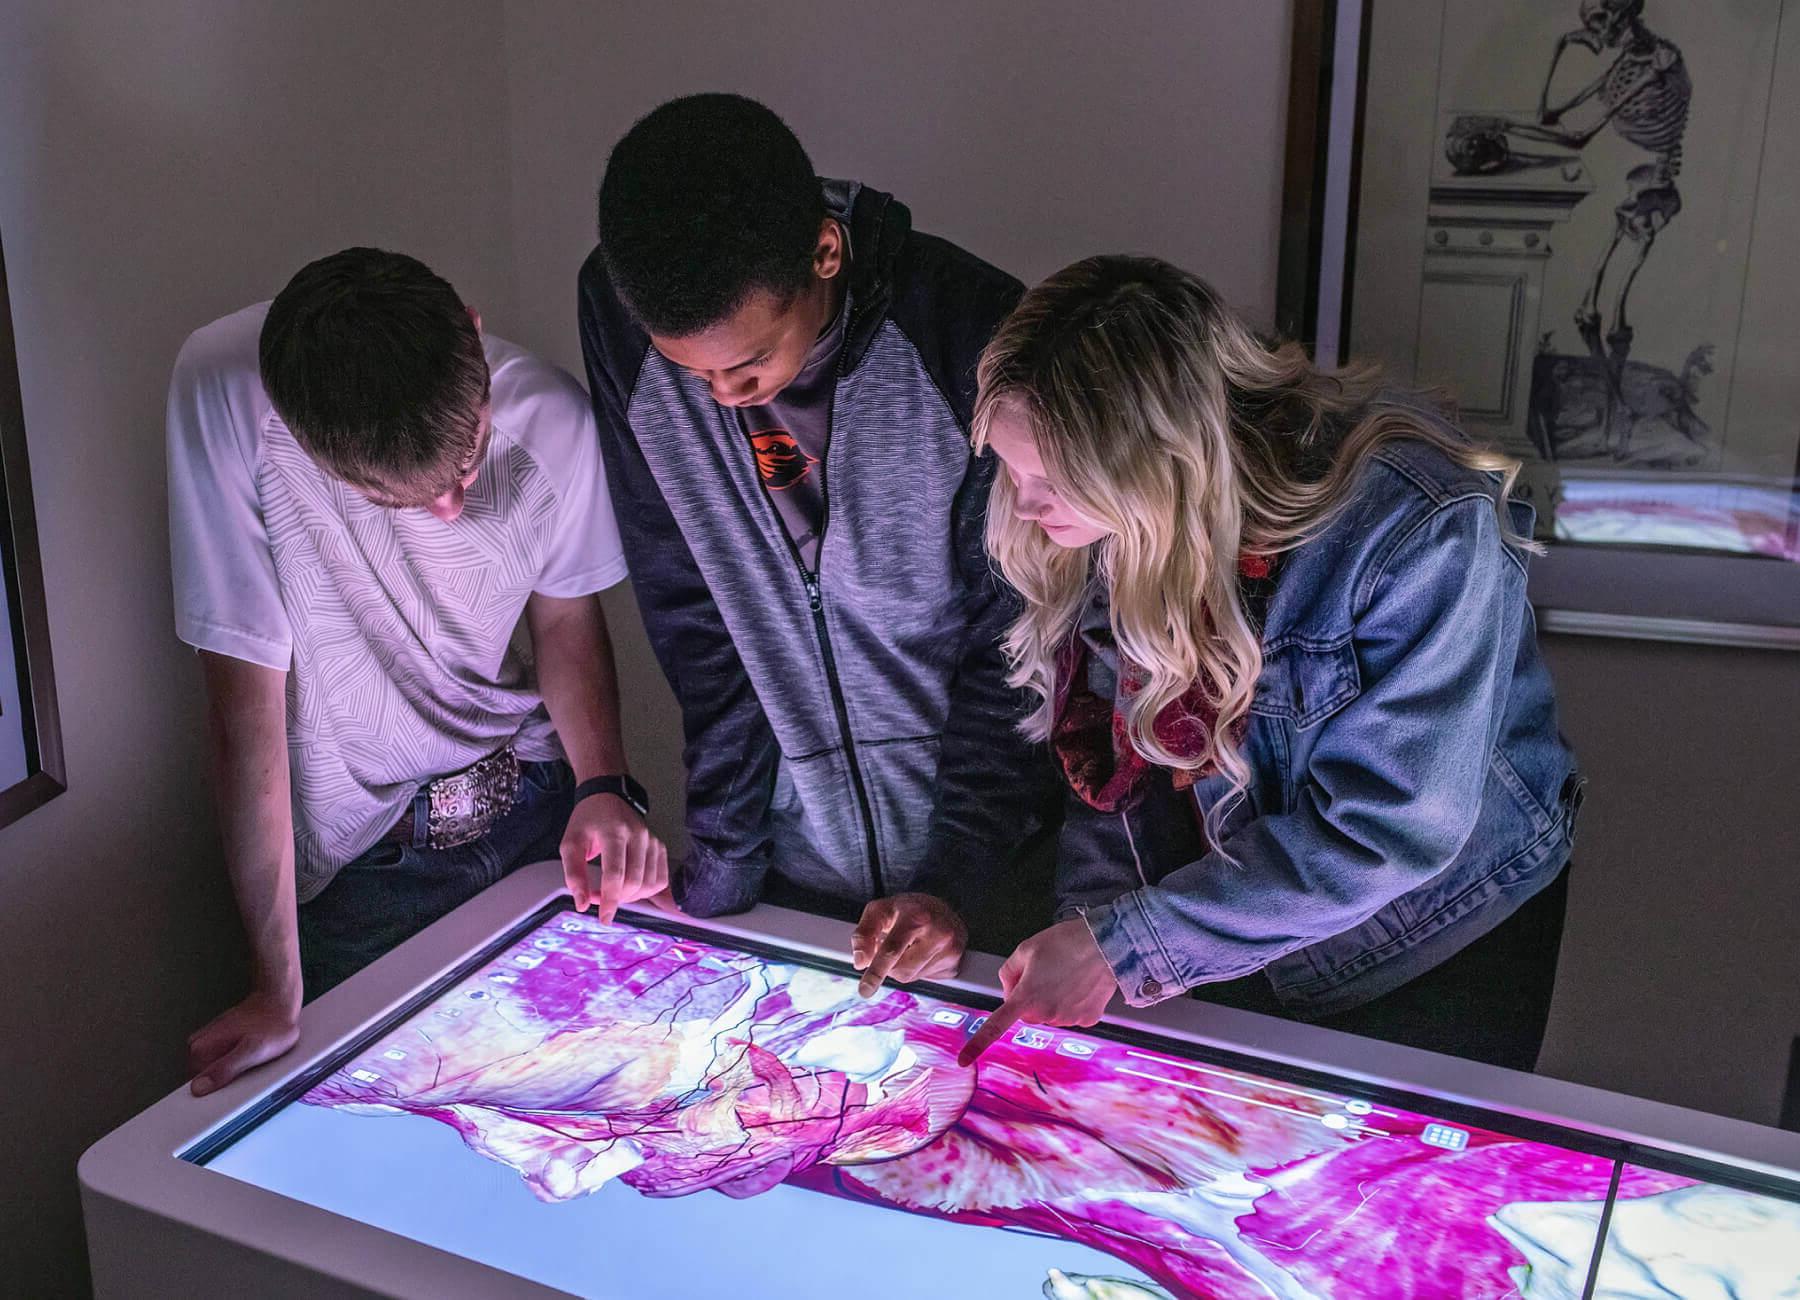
[1159,414]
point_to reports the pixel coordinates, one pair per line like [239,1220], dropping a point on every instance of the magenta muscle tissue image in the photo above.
[588,1059]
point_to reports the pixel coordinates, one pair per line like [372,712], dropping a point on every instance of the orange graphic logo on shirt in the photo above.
[781,460]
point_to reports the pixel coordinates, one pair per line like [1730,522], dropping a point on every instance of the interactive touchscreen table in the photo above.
[526,1101]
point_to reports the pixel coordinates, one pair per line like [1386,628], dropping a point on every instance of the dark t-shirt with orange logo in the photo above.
[789,436]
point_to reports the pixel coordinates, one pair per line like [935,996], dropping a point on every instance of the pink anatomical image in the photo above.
[584,1055]
[587,1061]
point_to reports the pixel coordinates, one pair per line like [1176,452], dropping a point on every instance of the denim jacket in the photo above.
[1409,787]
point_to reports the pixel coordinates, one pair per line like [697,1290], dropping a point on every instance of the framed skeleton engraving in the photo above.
[31,768]
[1576,216]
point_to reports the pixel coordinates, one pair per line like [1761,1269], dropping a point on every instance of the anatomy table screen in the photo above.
[616,1110]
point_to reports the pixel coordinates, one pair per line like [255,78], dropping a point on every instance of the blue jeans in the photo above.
[394,890]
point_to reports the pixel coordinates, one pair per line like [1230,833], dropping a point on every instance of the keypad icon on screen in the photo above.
[945,1016]
[1442,1135]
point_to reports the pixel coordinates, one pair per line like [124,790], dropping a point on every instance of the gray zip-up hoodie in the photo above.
[852,730]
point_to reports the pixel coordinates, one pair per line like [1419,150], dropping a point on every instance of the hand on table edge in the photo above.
[263,1026]
[907,937]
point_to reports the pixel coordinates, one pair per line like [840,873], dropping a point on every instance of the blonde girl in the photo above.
[1277,633]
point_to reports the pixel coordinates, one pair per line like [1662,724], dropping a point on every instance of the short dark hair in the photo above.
[375,365]
[706,200]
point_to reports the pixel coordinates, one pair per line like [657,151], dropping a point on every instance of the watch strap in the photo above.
[621,785]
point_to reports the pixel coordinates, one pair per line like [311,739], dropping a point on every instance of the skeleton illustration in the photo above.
[1645,93]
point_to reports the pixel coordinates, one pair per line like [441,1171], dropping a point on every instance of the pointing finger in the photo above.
[886,957]
[877,919]
[997,1024]
[575,874]
[613,866]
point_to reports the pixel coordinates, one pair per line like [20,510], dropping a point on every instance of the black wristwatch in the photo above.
[622,785]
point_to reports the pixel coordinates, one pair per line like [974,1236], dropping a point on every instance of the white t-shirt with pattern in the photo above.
[395,628]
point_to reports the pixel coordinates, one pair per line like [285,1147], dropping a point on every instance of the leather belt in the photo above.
[461,808]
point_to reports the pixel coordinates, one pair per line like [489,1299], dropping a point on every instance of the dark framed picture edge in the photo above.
[1302,175]
[1313,290]
[1311,305]
[24,796]
[27,614]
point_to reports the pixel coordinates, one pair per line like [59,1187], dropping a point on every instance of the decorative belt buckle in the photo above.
[464,806]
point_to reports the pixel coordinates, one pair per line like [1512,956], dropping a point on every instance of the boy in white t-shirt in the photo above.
[365,497]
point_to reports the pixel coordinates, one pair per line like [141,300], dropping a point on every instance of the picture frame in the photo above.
[1597,281]
[31,753]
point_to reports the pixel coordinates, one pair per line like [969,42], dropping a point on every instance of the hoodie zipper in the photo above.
[815,599]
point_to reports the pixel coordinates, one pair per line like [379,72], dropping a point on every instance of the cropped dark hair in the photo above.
[706,200]
[373,362]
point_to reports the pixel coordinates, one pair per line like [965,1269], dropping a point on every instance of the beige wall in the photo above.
[1032,132]
[1680,976]
[160,165]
